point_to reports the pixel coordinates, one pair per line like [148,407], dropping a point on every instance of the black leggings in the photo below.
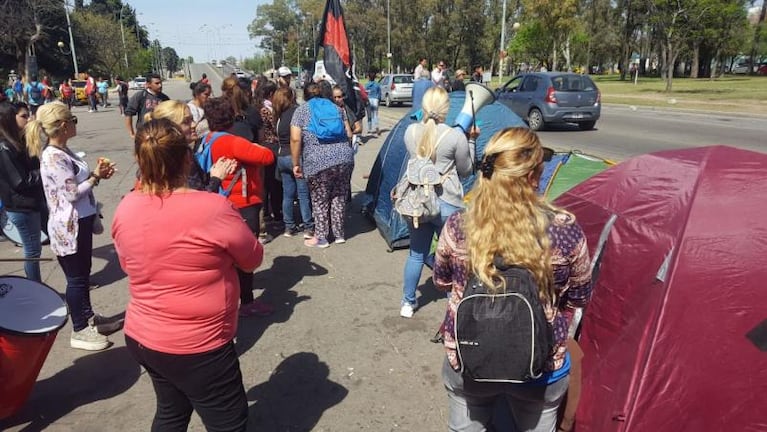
[251,216]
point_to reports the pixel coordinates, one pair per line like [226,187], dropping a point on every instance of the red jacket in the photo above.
[250,155]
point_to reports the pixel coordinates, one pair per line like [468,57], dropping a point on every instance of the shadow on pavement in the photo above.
[112,272]
[91,378]
[277,281]
[295,397]
[356,222]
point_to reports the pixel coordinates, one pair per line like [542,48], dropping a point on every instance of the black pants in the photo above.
[210,383]
[251,216]
[273,192]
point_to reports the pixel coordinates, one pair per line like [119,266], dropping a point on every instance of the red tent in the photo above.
[675,338]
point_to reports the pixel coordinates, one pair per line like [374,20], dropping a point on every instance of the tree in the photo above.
[34,21]
[99,43]
[170,59]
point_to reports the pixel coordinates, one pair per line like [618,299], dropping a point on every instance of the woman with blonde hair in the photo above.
[507,223]
[453,155]
[180,114]
[68,184]
[180,249]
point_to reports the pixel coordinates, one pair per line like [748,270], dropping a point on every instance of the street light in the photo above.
[71,42]
[388,34]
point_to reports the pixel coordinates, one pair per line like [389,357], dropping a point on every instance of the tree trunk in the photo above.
[670,65]
[566,52]
[757,34]
[554,57]
[695,59]
[717,65]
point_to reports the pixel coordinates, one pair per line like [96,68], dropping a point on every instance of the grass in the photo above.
[729,93]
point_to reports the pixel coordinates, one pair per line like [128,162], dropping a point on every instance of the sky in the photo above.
[203,29]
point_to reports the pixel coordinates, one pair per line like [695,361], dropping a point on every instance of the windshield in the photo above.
[572,83]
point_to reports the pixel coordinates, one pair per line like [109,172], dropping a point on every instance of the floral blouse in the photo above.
[69,195]
[572,279]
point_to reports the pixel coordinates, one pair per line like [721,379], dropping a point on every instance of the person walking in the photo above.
[452,154]
[21,189]
[102,86]
[67,93]
[122,94]
[91,91]
[68,183]
[143,102]
[180,248]
[327,167]
[421,70]
[373,90]
[33,94]
[506,223]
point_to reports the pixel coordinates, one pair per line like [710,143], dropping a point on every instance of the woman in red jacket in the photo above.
[246,192]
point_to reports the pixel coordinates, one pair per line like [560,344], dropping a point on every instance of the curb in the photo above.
[686,110]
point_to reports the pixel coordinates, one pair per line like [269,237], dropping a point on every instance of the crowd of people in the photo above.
[191,233]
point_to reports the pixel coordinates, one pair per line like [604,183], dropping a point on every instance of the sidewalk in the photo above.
[335,356]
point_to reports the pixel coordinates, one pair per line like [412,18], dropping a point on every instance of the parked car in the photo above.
[396,88]
[741,68]
[138,83]
[553,97]
[762,70]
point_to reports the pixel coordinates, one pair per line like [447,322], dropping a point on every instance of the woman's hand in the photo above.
[223,167]
[297,172]
[105,168]
[474,132]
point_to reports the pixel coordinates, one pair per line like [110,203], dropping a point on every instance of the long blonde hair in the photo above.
[506,218]
[172,110]
[435,105]
[49,122]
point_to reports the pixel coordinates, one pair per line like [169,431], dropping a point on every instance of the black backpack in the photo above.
[503,337]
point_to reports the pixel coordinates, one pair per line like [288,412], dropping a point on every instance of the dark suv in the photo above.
[553,97]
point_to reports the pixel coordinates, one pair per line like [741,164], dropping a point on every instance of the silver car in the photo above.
[553,97]
[396,88]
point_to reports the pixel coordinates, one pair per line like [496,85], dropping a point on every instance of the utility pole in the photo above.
[122,33]
[71,42]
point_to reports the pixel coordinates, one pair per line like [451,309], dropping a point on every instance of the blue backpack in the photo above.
[35,92]
[326,121]
[203,155]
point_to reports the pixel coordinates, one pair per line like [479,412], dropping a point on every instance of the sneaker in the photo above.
[340,240]
[256,308]
[90,110]
[315,242]
[106,325]
[406,311]
[88,339]
[290,232]
[308,234]
[265,238]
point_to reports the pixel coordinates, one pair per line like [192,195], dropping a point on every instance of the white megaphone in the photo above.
[477,96]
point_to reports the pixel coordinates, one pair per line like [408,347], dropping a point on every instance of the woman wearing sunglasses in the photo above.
[507,223]
[68,183]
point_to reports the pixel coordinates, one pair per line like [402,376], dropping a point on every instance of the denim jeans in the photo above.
[77,270]
[533,408]
[29,225]
[292,188]
[420,245]
[209,383]
[92,102]
[372,113]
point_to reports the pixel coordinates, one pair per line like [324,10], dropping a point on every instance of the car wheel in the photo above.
[587,125]
[535,119]
[388,101]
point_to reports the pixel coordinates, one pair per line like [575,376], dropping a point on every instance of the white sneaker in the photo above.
[406,311]
[340,240]
[88,339]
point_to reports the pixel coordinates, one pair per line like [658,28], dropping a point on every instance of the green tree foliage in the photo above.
[170,59]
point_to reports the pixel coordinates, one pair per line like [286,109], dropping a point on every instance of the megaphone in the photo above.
[477,96]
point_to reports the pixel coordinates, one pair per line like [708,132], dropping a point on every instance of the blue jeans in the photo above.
[77,270]
[28,225]
[420,245]
[290,187]
[372,113]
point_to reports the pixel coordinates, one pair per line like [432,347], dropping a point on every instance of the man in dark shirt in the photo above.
[143,102]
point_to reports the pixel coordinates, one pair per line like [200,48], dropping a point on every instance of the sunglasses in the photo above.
[73,119]
[548,154]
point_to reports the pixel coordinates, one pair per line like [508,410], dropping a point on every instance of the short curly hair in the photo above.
[220,113]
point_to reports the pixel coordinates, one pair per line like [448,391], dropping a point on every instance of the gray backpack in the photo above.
[415,196]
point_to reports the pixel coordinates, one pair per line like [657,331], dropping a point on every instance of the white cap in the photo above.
[284,71]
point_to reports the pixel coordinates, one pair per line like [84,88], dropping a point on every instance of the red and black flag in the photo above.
[337,57]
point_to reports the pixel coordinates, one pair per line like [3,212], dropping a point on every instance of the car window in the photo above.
[403,79]
[513,84]
[572,83]
[530,84]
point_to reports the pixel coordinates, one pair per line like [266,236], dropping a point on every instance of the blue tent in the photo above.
[392,160]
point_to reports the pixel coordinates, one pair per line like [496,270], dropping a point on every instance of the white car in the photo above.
[741,68]
[138,83]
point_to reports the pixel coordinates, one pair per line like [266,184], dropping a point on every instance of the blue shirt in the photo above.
[373,89]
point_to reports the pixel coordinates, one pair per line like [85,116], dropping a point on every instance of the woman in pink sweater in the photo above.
[180,249]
